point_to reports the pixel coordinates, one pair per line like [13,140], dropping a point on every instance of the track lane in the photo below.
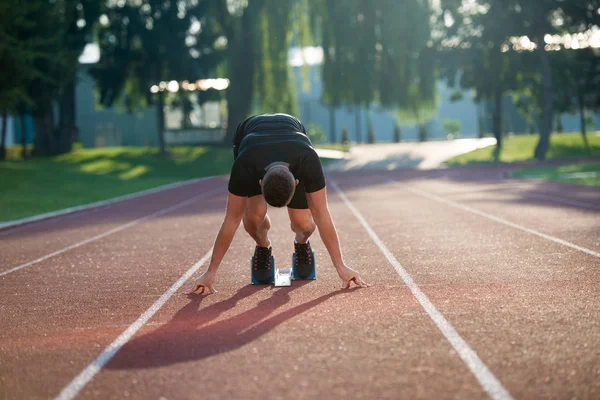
[310,340]
[527,305]
[59,316]
[54,235]
[576,224]
[353,344]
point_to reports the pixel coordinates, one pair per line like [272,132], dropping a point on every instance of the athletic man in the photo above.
[275,163]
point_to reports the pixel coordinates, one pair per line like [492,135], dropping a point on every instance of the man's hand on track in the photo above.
[348,275]
[205,282]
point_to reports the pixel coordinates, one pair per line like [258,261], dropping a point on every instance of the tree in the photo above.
[344,138]
[370,133]
[143,44]
[258,34]
[473,42]
[451,127]
[538,21]
[29,53]
[577,83]
[364,59]
[397,133]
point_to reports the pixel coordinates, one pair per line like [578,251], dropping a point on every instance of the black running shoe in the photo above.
[261,266]
[305,263]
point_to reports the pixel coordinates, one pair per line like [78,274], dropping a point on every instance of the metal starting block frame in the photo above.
[283,277]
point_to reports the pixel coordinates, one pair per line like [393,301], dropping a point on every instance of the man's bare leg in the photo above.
[256,220]
[302,224]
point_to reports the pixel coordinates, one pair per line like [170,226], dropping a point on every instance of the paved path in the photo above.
[482,287]
[390,156]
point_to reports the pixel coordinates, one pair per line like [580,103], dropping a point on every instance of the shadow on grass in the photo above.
[192,335]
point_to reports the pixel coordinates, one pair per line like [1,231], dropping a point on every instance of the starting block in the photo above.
[311,276]
[283,277]
[267,279]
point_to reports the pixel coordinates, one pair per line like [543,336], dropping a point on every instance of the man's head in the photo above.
[278,186]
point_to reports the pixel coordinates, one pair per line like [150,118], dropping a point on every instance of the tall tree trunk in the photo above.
[66,122]
[160,122]
[497,122]
[241,74]
[44,138]
[22,119]
[581,107]
[332,124]
[546,124]
[480,122]
[358,124]
[3,135]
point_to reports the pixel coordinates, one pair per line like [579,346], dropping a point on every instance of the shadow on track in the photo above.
[190,335]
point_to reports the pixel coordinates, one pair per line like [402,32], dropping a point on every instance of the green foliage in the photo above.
[589,121]
[397,134]
[363,59]
[370,133]
[40,42]
[451,127]
[142,44]
[273,89]
[521,148]
[316,134]
[344,137]
[582,173]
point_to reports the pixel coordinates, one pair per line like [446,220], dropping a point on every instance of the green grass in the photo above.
[39,185]
[521,148]
[581,174]
[333,146]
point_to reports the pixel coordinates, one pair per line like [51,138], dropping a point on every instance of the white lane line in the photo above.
[484,376]
[115,230]
[88,373]
[84,207]
[428,195]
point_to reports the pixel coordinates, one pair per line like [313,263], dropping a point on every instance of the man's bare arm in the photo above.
[236,206]
[317,202]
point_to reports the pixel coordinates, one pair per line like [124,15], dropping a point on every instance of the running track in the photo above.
[483,287]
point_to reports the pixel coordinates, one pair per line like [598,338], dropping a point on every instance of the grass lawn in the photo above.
[521,148]
[39,185]
[582,174]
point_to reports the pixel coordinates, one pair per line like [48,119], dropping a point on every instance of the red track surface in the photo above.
[527,306]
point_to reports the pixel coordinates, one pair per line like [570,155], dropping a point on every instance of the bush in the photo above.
[452,128]
[315,133]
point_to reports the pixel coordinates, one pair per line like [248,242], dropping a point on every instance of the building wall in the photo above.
[110,126]
[10,139]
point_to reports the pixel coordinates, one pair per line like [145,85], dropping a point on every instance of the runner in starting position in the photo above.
[275,163]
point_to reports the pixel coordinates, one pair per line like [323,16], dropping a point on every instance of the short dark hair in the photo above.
[278,186]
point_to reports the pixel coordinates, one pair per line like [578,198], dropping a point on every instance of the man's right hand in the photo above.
[204,282]
[348,275]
